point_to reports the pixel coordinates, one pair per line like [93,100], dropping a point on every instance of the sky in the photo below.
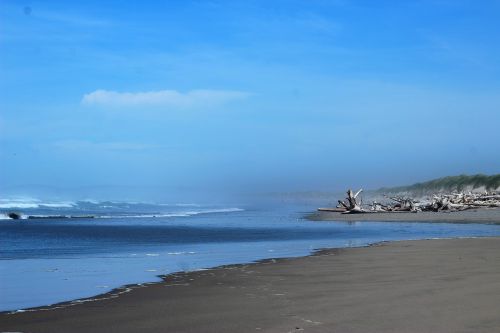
[205,96]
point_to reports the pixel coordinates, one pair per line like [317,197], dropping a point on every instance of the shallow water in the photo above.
[53,260]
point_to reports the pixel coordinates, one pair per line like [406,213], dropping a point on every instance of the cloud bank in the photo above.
[163,98]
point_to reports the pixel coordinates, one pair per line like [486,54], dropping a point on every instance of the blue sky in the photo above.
[264,95]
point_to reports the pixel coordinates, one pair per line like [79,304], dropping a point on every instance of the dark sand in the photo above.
[411,286]
[483,216]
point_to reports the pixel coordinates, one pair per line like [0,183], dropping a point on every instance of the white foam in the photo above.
[142,216]
[27,203]
[180,253]
[216,210]
[63,204]
[179,205]
[176,214]
[18,205]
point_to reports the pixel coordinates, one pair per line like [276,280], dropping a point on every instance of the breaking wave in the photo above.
[33,203]
[28,208]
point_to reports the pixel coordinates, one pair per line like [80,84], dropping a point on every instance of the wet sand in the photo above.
[483,216]
[410,286]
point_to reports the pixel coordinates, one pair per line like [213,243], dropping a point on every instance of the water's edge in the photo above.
[116,292]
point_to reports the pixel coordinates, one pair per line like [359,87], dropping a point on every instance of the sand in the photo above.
[409,286]
[483,216]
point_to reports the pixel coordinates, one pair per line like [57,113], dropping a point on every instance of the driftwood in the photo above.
[442,202]
[351,204]
[401,204]
[438,202]
[335,210]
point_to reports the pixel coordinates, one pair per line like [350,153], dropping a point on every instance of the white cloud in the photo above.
[164,98]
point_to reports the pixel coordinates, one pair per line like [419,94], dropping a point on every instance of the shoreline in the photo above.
[126,288]
[116,292]
[60,298]
[123,289]
[139,296]
[479,216]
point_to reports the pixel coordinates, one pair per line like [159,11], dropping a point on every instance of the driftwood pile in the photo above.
[461,201]
[438,202]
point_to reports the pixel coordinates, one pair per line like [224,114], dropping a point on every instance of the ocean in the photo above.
[65,251]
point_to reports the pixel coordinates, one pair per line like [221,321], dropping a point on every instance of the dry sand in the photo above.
[483,216]
[409,286]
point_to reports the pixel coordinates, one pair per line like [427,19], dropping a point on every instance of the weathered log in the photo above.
[343,204]
[354,205]
[336,210]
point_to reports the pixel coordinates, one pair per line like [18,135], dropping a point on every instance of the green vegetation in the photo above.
[448,184]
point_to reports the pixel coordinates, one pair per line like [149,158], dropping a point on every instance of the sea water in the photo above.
[49,260]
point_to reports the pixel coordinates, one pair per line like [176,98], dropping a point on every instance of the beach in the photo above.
[482,216]
[408,286]
[164,164]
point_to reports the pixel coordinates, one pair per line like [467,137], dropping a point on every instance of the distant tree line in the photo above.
[449,184]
